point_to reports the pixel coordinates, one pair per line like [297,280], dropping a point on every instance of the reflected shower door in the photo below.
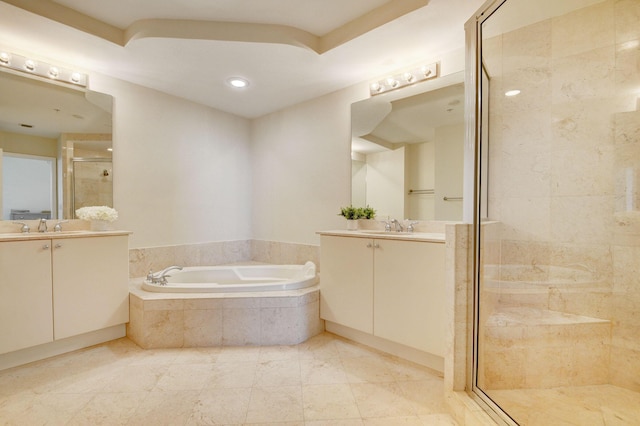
[92,183]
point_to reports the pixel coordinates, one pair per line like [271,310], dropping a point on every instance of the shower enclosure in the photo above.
[557,286]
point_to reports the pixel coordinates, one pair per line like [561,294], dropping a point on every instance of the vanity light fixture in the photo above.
[14,62]
[403,79]
[238,82]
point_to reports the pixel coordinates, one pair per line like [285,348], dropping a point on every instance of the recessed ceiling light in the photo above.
[238,82]
[512,93]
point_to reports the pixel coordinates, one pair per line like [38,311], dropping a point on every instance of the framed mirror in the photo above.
[407,151]
[55,148]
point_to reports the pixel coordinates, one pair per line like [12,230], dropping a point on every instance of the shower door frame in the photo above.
[476,128]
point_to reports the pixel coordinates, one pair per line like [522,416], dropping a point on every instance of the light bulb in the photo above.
[54,72]
[75,77]
[29,65]
[5,58]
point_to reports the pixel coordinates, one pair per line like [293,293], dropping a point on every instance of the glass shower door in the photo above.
[558,285]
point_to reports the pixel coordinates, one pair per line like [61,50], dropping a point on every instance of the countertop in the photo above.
[430,237]
[18,236]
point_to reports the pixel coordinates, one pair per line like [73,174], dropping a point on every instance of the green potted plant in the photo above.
[352,214]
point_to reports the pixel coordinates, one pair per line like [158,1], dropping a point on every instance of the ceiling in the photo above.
[289,50]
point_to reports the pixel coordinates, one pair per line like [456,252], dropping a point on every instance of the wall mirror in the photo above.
[55,148]
[407,151]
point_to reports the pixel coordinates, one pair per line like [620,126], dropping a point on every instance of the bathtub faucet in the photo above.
[161,277]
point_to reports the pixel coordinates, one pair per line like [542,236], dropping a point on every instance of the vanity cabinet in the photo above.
[392,289]
[26,315]
[51,289]
[346,281]
[90,284]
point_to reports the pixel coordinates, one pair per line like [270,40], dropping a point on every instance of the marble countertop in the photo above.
[19,236]
[430,237]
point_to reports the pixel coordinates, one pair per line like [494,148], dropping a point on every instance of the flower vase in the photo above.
[352,224]
[99,225]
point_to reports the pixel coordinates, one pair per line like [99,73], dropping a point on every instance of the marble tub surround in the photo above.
[142,260]
[172,320]
[324,381]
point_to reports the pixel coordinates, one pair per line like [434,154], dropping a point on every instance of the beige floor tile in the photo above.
[275,404]
[321,346]
[50,409]
[197,356]
[165,408]
[326,402]
[322,371]
[393,421]
[382,400]
[135,378]
[221,406]
[273,353]
[367,370]
[108,409]
[437,420]
[342,422]
[179,377]
[278,373]
[239,353]
[427,396]
[231,375]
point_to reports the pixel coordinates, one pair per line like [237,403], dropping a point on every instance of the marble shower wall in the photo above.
[564,183]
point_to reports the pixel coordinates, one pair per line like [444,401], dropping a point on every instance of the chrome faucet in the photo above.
[161,277]
[399,227]
[42,226]
[58,227]
[25,228]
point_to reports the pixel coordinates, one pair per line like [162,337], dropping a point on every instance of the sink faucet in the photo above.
[161,277]
[42,226]
[399,227]
[58,227]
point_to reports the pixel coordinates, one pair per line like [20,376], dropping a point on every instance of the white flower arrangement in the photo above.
[97,213]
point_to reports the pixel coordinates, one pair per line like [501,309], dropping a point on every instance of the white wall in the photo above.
[181,171]
[301,162]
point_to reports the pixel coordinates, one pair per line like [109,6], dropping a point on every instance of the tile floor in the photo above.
[324,381]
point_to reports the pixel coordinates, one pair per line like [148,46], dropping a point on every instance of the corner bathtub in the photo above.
[242,278]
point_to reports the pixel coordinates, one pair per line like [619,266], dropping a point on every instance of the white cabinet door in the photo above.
[90,284]
[25,294]
[409,294]
[346,281]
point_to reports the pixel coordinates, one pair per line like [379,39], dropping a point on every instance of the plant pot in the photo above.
[352,224]
[100,225]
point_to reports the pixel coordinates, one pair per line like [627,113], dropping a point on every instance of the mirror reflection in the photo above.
[55,148]
[407,151]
